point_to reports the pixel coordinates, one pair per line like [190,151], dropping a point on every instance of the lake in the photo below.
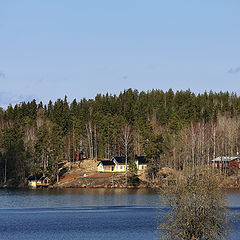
[86,214]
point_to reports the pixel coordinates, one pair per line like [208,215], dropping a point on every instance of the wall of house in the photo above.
[119,168]
[32,184]
[235,164]
[142,167]
[102,168]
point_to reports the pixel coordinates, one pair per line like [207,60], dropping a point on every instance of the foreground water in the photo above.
[86,214]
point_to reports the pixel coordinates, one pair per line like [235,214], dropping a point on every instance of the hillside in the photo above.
[171,129]
[84,174]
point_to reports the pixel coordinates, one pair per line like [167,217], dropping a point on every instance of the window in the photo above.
[121,167]
[105,168]
[142,167]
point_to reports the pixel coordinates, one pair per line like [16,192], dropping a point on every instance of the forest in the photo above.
[169,128]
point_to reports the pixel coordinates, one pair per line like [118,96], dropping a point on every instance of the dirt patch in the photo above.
[100,175]
[69,177]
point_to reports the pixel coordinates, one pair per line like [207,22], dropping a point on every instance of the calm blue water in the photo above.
[85,214]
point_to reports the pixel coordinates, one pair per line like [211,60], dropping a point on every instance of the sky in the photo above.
[79,48]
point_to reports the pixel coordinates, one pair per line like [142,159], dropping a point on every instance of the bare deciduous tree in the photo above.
[90,138]
[126,138]
[197,207]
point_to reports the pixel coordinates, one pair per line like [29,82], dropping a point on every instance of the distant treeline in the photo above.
[171,129]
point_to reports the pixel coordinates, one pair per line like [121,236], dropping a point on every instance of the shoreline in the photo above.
[157,188]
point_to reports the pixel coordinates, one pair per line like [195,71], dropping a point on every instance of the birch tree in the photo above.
[126,138]
[197,210]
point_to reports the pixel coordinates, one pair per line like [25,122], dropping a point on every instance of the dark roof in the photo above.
[141,160]
[32,178]
[121,160]
[106,163]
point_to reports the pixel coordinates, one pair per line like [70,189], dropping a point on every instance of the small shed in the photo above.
[44,181]
[38,181]
[33,180]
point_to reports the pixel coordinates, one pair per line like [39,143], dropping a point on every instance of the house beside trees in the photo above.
[171,129]
[117,164]
[229,163]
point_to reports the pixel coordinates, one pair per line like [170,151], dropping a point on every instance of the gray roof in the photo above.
[225,159]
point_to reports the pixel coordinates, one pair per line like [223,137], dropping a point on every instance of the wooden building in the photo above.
[38,181]
[227,162]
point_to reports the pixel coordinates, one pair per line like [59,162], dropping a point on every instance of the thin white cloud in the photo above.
[234,70]
[125,77]
[8,98]
[2,75]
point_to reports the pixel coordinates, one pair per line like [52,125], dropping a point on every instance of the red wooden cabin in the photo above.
[227,162]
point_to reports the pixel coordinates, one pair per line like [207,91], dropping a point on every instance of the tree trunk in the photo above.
[5,171]
[95,141]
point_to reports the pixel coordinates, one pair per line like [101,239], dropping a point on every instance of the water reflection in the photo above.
[233,198]
[76,197]
[88,197]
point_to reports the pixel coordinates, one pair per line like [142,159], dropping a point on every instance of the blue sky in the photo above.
[79,48]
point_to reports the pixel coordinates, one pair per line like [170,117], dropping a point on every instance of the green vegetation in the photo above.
[132,171]
[171,129]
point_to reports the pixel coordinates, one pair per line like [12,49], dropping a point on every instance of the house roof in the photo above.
[38,177]
[122,160]
[106,163]
[33,178]
[44,178]
[141,160]
[225,159]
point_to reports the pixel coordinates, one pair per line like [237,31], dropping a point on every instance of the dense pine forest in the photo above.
[170,129]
